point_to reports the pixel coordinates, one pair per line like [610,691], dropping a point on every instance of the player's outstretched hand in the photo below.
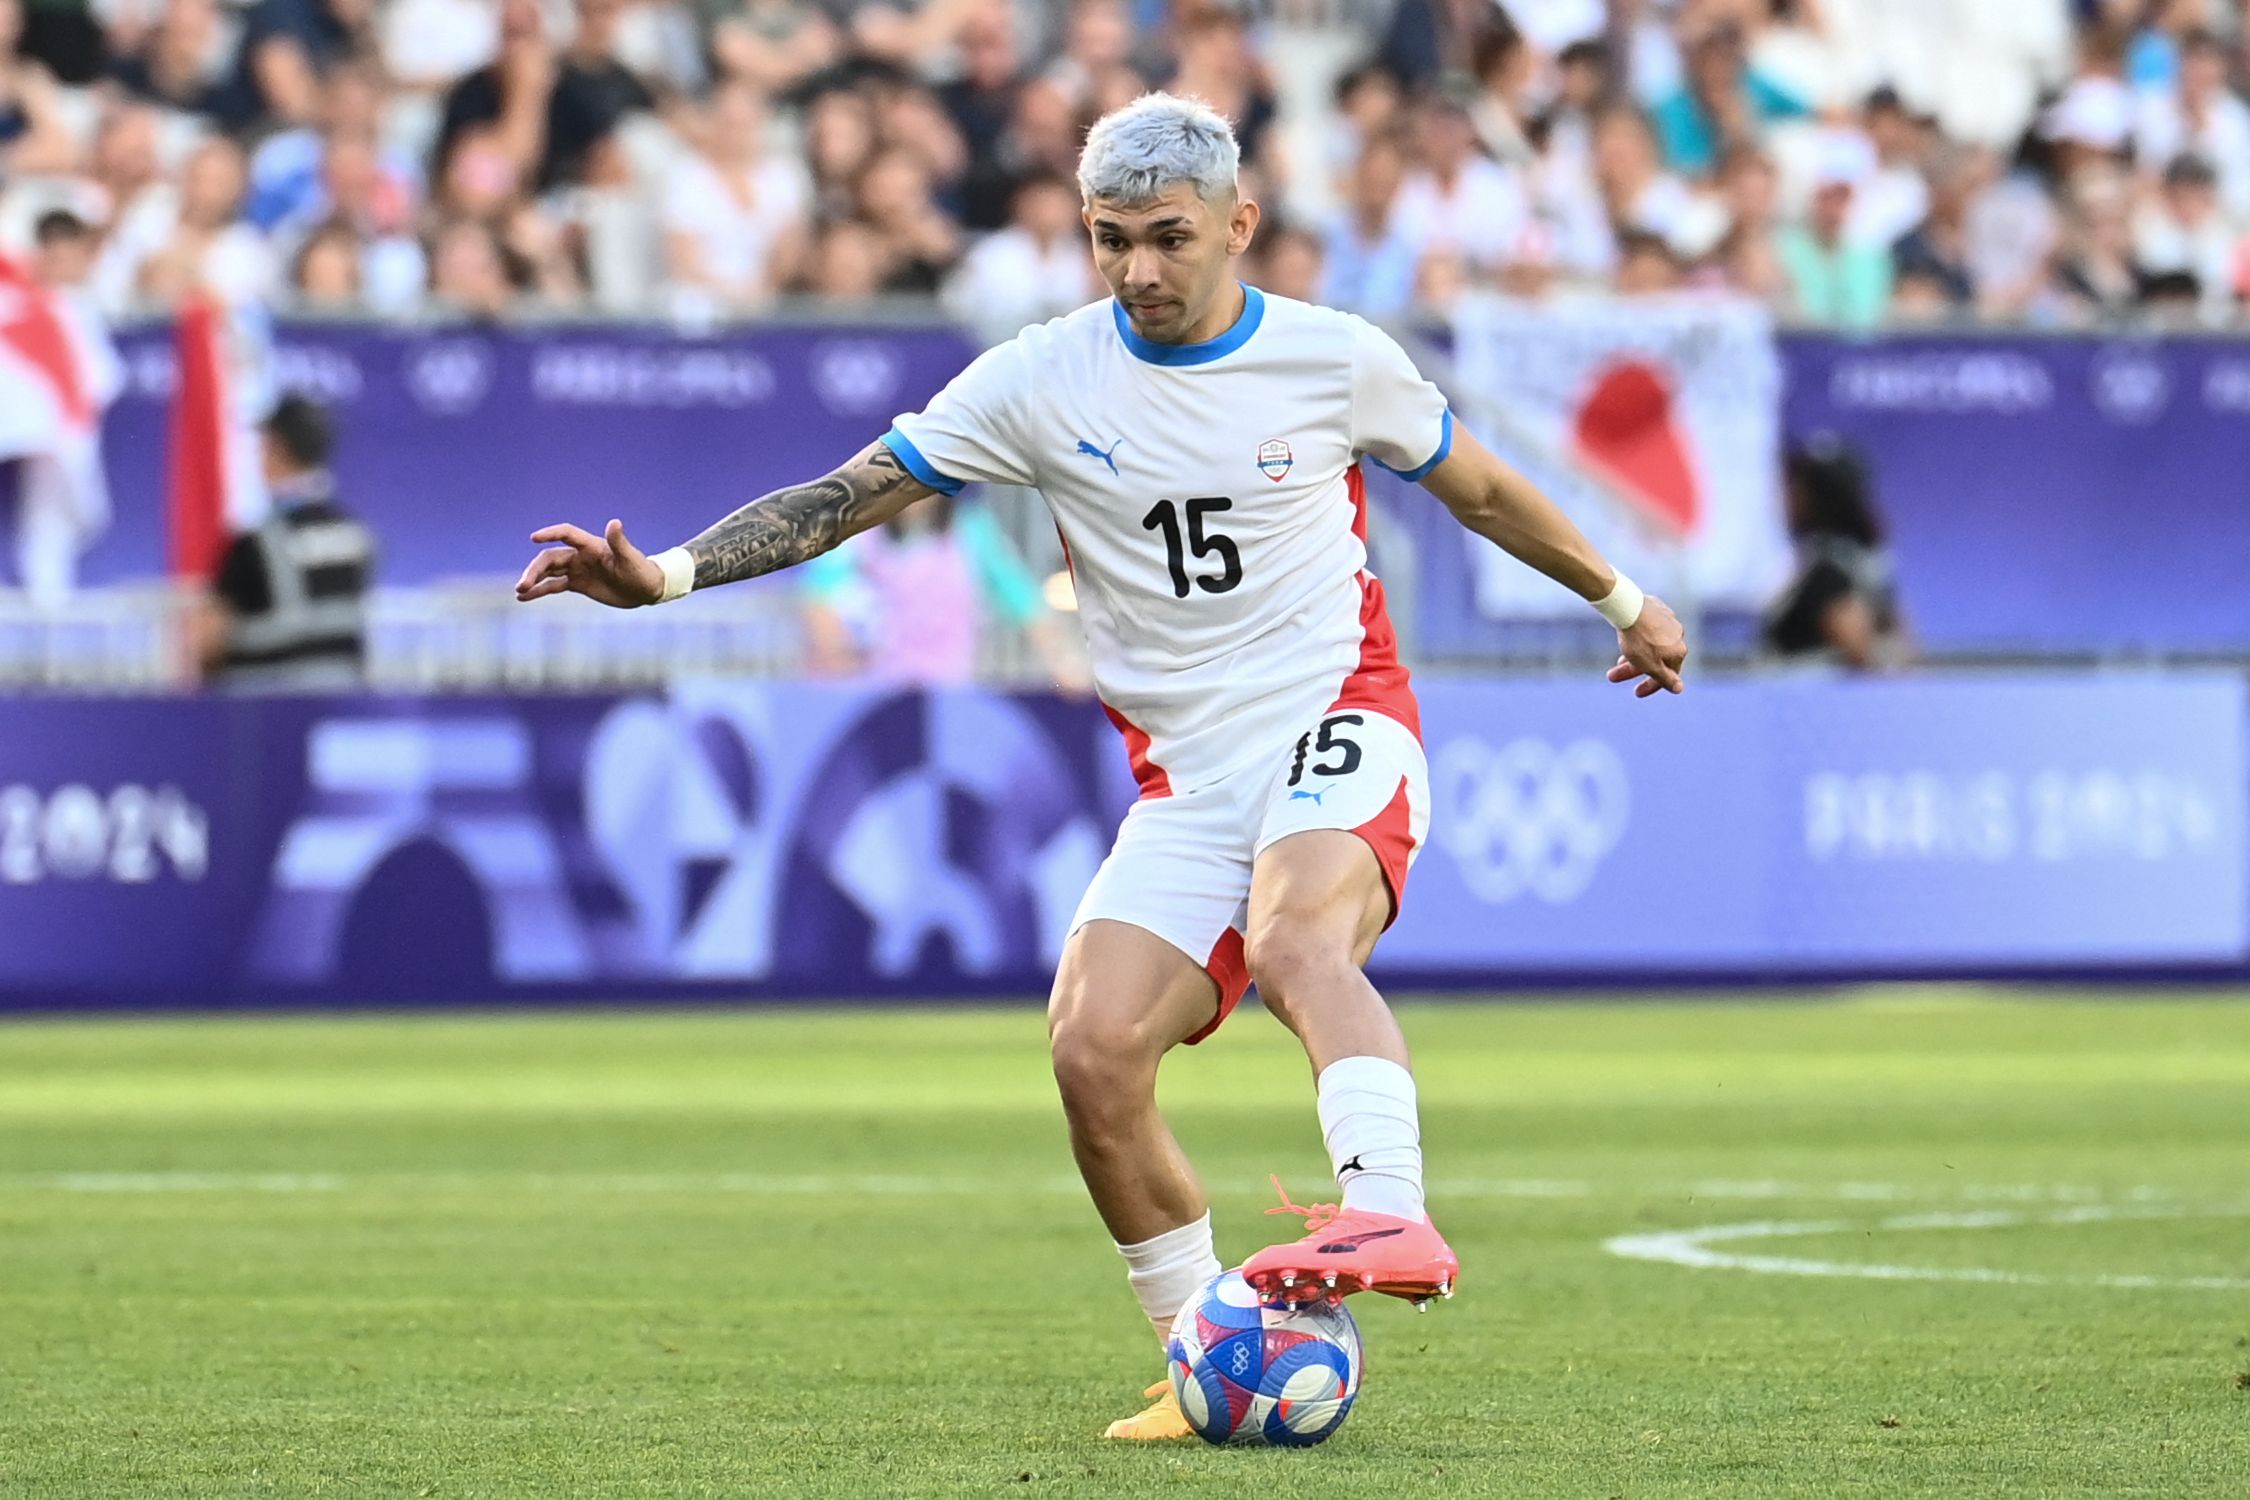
[606,567]
[1653,650]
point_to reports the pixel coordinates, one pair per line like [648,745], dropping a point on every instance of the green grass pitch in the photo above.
[805,1254]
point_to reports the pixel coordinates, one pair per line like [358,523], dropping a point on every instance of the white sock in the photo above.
[1166,1271]
[1374,1135]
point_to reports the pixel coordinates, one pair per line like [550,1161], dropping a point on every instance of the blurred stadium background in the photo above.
[1898,341]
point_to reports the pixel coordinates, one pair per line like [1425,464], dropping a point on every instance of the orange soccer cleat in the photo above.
[1346,1251]
[1160,1423]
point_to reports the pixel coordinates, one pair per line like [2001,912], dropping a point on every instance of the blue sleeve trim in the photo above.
[921,468]
[1445,446]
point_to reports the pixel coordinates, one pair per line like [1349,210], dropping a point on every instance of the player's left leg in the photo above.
[1318,902]
[1326,882]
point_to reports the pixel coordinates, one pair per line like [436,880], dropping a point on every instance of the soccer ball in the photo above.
[1260,1373]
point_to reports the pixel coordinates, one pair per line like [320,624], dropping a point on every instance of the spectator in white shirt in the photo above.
[2205,116]
[1629,171]
[356,192]
[1369,266]
[1034,269]
[1896,196]
[2094,270]
[1456,198]
[1369,104]
[734,216]
[192,240]
[125,167]
[1585,79]
[1750,189]
[2184,230]
[56,518]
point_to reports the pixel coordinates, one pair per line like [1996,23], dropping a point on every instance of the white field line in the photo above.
[1692,1248]
[182,1182]
[1697,1248]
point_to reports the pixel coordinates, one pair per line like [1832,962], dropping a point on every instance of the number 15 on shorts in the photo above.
[1352,769]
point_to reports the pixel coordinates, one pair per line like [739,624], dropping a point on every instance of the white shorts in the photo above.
[1181,864]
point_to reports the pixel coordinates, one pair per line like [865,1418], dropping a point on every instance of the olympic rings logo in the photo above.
[856,376]
[1528,817]
[450,378]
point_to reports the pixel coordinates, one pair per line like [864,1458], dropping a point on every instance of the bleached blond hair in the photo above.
[1137,153]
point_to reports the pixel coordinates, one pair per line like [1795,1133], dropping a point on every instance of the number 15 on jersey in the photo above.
[1195,537]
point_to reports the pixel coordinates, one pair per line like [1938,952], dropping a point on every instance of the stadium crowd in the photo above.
[1850,161]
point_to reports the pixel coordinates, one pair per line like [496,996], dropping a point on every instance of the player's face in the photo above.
[1168,260]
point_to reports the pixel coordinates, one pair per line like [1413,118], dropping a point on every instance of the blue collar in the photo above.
[1148,350]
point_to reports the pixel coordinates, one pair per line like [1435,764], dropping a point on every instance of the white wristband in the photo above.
[1621,606]
[679,573]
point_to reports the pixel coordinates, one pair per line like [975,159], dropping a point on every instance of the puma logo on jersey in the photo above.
[1310,796]
[1108,458]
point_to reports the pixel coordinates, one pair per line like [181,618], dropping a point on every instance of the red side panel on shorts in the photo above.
[1380,680]
[1147,773]
[1390,833]
[1230,971]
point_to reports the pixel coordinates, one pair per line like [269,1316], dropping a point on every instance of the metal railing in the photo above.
[115,640]
[471,636]
[465,636]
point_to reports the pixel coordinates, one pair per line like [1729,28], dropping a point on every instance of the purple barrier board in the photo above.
[2050,494]
[778,840]
[1808,825]
[457,444]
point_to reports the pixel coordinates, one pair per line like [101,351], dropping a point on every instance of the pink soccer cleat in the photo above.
[1347,1251]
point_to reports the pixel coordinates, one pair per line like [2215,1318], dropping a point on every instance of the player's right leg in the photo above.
[1124,997]
[1155,959]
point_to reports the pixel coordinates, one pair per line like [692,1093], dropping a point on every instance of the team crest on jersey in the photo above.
[1275,459]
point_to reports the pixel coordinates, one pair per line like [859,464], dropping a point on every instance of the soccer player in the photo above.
[1199,444]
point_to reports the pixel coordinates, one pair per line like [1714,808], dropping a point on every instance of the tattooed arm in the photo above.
[776,531]
[798,524]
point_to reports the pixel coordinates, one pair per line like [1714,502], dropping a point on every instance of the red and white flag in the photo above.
[215,484]
[58,372]
[1655,423]
[196,500]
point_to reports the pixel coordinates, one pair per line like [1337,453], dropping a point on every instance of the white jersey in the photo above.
[1210,502]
